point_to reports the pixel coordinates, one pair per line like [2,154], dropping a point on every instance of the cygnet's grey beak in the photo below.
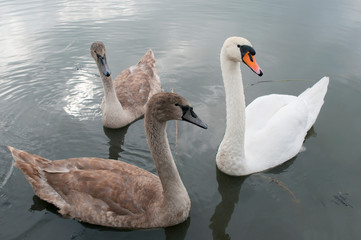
[104,65]
[190,116]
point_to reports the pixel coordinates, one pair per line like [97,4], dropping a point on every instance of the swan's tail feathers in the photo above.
[314,98]
[148,58]
[30,165]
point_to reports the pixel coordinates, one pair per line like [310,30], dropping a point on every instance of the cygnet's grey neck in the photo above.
[110,96]
[173,187]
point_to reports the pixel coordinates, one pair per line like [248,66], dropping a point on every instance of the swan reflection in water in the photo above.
[177,232]
[229,188]
[116,140]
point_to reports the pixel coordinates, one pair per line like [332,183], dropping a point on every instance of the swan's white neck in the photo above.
[231,152]
[235,100]
[175,194]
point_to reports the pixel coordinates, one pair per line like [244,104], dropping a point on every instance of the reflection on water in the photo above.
[100,11]
[40,205]
[229,188]
[5,175]
[116,140]
[6,166]
[177,232]
[82,95]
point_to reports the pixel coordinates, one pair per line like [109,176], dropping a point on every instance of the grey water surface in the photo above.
[50,96]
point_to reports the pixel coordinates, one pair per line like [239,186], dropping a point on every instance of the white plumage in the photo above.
[272,128]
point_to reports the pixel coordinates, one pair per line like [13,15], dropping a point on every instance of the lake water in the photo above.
[51,92]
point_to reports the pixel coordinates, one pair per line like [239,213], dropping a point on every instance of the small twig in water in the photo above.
[282,185]
[68,46]
[341,198]
[269,81]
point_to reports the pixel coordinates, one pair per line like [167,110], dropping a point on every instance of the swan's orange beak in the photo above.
[250,61]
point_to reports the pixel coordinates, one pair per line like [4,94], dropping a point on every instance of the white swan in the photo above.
[113,193]
[272,128]
[125,98]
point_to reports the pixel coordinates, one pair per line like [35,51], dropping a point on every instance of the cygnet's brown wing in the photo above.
[112,185]
[136,84]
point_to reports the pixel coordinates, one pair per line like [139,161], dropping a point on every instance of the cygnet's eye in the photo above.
[184,108]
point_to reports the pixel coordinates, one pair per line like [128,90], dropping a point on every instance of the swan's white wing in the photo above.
[267,106]
[263,108]
[314,99]
[276,135]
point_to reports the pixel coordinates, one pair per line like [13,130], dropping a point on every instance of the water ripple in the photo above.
[82,100]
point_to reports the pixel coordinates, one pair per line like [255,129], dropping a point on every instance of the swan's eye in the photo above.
[248,49]
[176,104]
[239,46]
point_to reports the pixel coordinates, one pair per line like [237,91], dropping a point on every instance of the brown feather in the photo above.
[114,193]
[117,188]
[133,91]
[133,87]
